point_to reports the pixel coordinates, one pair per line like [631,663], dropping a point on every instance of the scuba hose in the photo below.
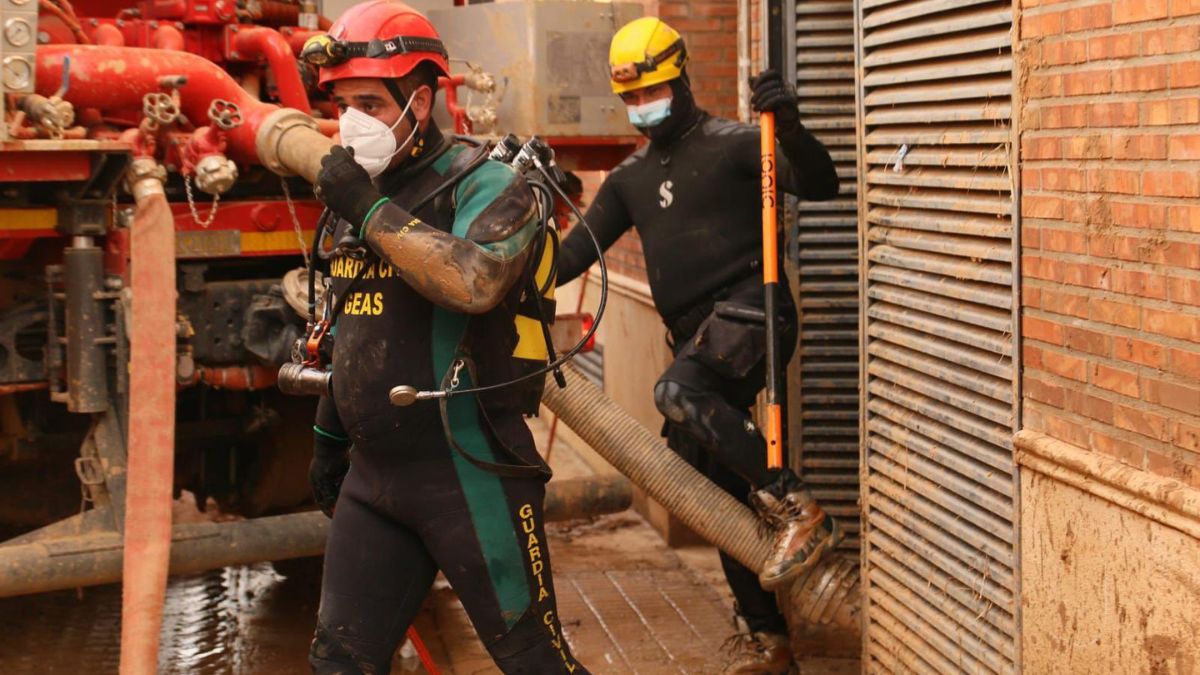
[545,233]
[410,394]
[318,234]
[550,233]
[406,395]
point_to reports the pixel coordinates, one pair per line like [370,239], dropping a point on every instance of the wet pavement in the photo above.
[628,603]
[241,620]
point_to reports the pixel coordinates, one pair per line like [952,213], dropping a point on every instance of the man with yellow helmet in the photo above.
[693,193]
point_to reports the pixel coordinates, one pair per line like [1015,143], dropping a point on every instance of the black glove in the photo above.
[772,94]
[330,463]
[345,186]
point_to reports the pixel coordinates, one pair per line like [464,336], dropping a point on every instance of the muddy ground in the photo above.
[629,604]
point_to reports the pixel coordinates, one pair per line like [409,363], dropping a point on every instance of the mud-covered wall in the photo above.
[1106,588]
[1109,155]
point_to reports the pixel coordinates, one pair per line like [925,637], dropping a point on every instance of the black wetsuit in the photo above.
[411,505]
[694,197]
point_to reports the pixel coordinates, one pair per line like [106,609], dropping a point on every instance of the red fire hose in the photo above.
[151,462]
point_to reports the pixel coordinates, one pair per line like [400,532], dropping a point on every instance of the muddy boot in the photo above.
[758,654]
[803,532]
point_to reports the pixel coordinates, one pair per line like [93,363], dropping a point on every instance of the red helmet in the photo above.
[378,38]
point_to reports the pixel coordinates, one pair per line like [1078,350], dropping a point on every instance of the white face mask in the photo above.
[373,141]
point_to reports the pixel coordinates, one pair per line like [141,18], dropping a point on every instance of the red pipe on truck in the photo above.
[114,79]
[234,378]
[254,42]
[167,36]
[296,38]
[108,35]
[277,13]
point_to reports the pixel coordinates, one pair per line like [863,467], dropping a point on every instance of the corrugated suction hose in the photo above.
[652,466]
[829,594]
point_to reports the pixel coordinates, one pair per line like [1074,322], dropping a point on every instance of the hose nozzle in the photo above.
[298,379]
[406,395]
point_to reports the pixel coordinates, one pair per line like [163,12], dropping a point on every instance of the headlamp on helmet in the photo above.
[628,72]
[325,52]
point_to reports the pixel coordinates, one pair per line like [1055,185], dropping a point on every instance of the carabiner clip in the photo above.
[352,247]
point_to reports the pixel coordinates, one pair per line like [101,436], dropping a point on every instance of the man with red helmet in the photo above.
[429,274]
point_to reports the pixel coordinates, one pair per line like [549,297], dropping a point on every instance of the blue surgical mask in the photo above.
[650,114]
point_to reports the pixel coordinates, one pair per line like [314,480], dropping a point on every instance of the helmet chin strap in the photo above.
[405,103]
[401,100]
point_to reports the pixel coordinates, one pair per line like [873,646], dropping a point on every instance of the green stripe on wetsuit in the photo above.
[486,500]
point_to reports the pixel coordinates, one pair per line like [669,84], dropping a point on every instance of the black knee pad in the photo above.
[670,398]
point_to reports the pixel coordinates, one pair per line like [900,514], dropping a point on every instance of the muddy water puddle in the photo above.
[255,619]
[629,604]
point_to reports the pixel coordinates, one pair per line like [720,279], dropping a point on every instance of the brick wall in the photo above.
[1110,152]
[709,28]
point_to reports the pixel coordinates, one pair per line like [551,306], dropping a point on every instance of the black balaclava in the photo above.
[427,145]
[684,114]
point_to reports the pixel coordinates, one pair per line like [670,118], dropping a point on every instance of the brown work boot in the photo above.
[803,532]
[758,654]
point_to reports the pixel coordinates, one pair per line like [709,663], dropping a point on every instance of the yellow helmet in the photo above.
[645,52]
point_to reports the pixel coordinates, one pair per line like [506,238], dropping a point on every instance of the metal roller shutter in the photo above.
[826,253]
[940,550]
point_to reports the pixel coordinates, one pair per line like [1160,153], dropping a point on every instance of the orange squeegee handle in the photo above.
[776,447]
